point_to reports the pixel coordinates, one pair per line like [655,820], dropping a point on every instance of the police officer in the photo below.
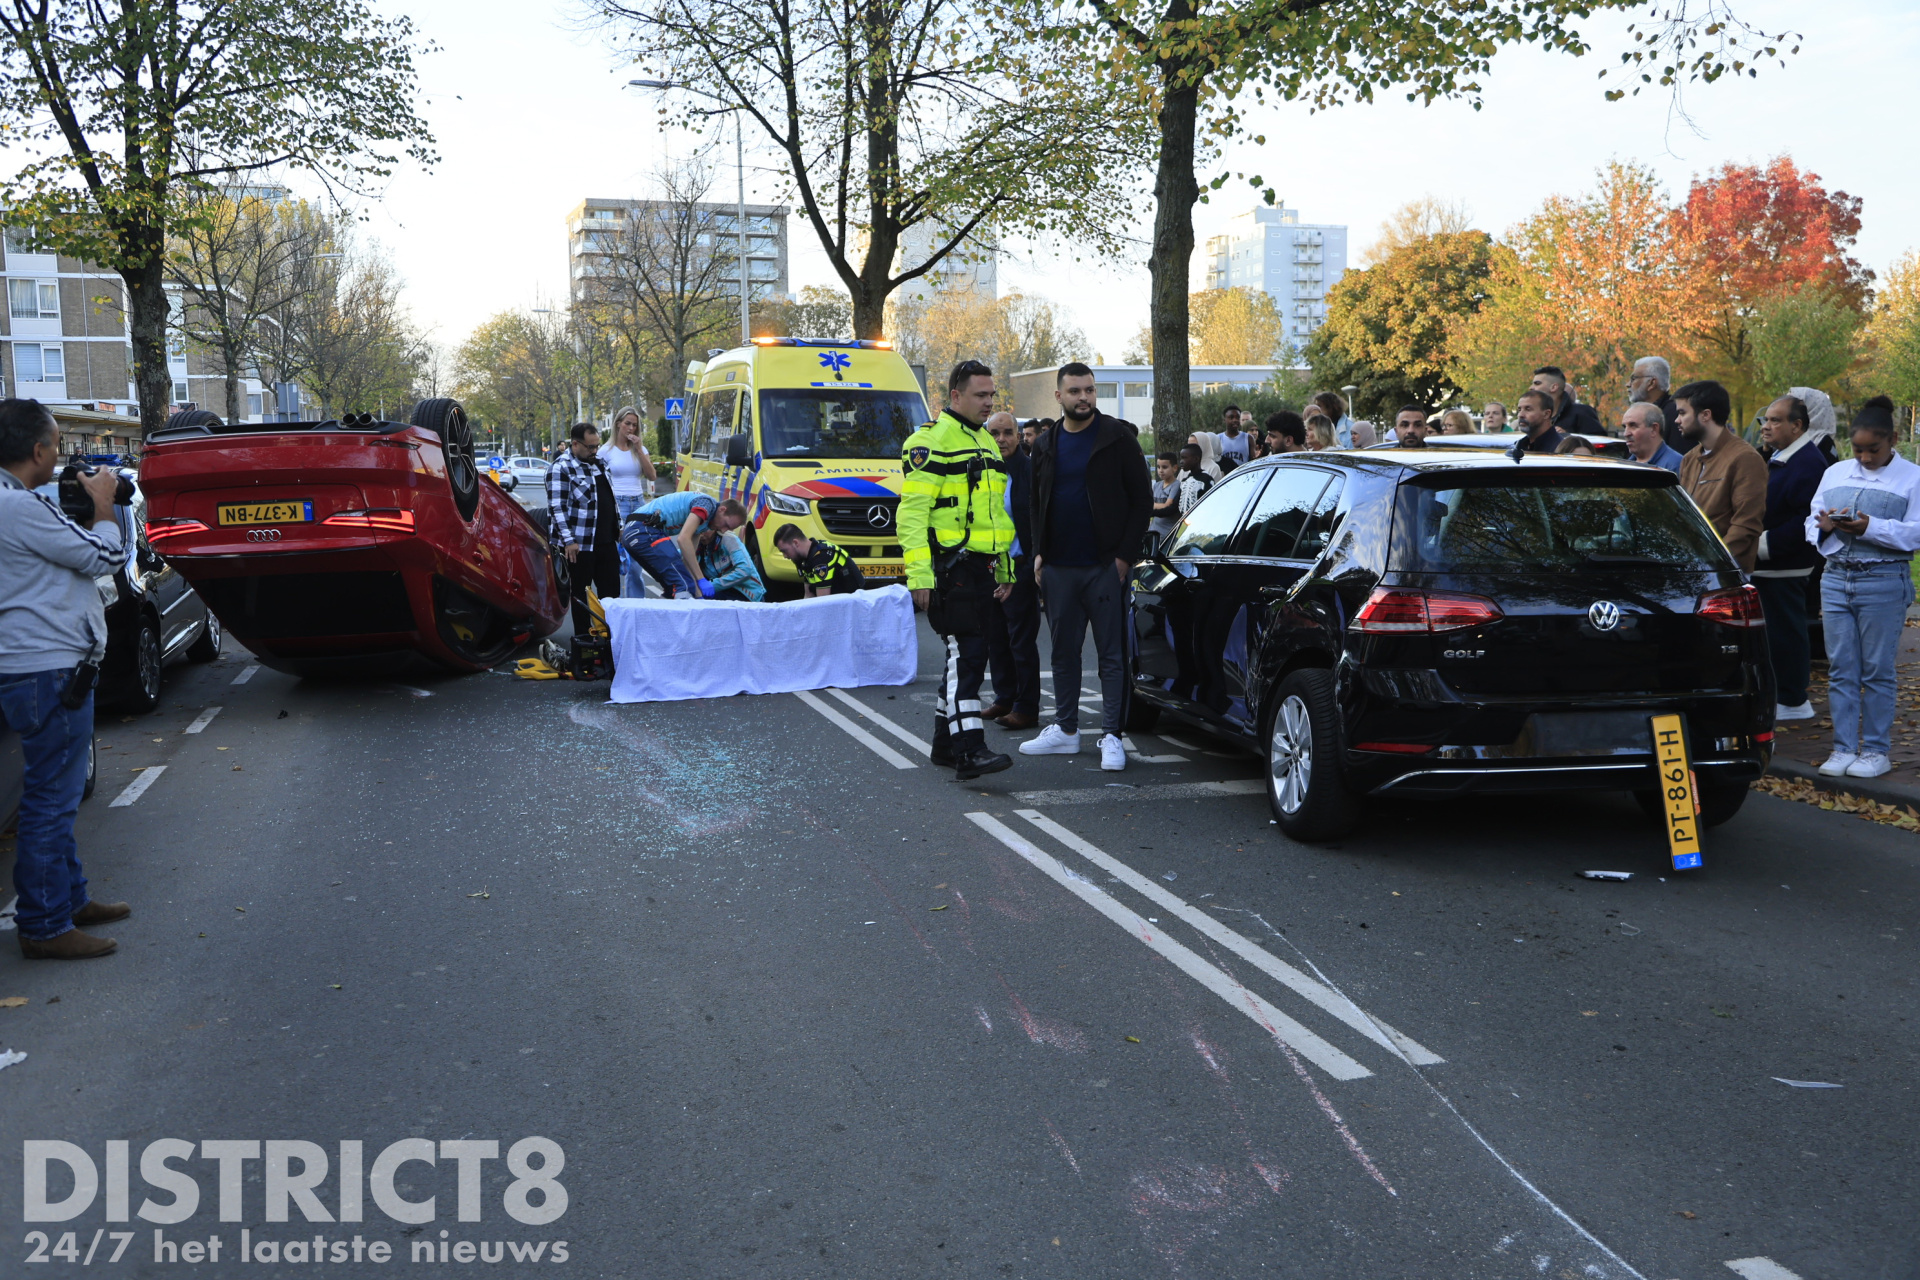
[956,535]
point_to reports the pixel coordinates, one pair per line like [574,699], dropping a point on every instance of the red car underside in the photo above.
[369,560]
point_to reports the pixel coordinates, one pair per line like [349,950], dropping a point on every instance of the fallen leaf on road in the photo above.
[1688,1214]
[12,1002]
[241,910]
[1589,1013]
[334,985]
[482,894]
[238,769]
[940,886]
[223,748]
[1133,1039]
[1907,818]
[942,907]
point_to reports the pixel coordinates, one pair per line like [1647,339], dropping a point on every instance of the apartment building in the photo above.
[972,267]
[1294,262]
[597,226]
[65,342]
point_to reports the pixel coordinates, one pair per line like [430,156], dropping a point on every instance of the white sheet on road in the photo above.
[665,650]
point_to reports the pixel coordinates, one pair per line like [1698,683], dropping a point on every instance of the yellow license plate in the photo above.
[1676,791]
[300,512]
[884,569]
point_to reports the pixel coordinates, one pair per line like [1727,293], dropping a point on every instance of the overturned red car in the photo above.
[350,545]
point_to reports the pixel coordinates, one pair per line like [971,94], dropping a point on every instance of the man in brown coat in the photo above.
[1724,475]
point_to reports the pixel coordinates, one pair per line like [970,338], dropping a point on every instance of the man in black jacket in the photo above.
[1013,622]
[1091,503]
[1569,415]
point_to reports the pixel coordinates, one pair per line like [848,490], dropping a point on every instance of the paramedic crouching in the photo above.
[53,633]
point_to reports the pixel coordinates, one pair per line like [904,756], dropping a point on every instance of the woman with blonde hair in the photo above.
[630,472]
[1320,433]
[1456,422]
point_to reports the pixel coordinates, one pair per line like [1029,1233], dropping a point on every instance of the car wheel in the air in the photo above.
[1305,788]
[446,419]
[207,647]
[144,695]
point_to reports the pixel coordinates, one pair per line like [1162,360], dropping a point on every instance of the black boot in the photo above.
[971,764]
[942,753]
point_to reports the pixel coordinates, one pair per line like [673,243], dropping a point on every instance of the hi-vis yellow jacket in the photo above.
[953,492]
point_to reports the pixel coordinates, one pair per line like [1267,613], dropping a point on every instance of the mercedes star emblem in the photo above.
[879,517]
[1604,615]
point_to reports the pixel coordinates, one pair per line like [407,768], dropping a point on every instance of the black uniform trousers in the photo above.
[598,566]
[1013,642]
[957,727]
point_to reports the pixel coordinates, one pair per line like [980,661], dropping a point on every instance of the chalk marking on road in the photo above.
[138,787]
[1283,1029]
[855,732]
[1152,791]
[204,719]
[246,675]
[1760,1269]
[921,745]
[1539,1196]
[1286,975]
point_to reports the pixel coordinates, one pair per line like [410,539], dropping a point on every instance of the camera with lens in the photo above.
[77,502]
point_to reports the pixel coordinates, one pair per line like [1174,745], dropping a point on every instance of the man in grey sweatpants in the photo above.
[1091,502]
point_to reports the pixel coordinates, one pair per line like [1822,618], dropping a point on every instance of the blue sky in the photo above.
[531,116]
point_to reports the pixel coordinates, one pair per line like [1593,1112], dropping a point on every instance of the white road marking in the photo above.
[1760,1269]
[138,787]
[246,675]
[921,745]
[204,719]
[1289,977]
[413,692]
[1152,791]
[1271,1020]
[1143,758]
[858,734]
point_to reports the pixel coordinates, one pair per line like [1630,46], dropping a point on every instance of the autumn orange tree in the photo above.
[1753,233]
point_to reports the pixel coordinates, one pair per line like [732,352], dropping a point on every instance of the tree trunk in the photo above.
[1175,192]
[147,327]
[230,357]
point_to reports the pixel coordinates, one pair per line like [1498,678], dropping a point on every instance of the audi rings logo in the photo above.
[263,535]
[879,517]
[1604,615]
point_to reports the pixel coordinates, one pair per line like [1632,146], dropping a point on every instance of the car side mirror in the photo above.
[740,450]
[1150,546]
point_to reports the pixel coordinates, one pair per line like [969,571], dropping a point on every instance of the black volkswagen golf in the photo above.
[1448,623]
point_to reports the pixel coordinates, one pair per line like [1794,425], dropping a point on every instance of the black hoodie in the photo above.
[1119,492]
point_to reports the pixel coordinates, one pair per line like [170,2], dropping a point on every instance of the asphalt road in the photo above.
[791,1009]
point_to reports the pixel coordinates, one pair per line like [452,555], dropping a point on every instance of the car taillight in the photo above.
[1392,610]
[162,529]
[1735,607]
[392,519]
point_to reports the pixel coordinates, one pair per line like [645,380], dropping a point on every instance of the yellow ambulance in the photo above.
[807,433]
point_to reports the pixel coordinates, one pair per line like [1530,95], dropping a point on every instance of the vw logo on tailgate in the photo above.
[1604,615]
[879,517]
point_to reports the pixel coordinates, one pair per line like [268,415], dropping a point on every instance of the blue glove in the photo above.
[706,589]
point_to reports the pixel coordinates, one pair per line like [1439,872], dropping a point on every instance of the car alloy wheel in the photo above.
[207,647]
[146,666]
[1290,755]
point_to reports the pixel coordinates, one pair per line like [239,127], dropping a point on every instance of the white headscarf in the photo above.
[1821,423]
[1209,445]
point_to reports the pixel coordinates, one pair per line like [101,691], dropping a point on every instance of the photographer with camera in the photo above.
[53,634]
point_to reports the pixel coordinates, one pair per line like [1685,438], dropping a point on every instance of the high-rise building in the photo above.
[597,226]
[972,267]
[1295,262]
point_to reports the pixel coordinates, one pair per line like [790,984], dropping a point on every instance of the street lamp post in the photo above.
[740,177]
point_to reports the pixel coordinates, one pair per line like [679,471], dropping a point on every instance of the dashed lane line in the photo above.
[921,745]
[1119,792]
[1760,1269]
[247,674]
[1285,974]
[138,787]
[204,719]
[854,731]
[1271,1020]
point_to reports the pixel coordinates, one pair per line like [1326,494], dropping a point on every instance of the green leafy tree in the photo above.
[126,107]
[1894,332]
[1802,337]
[1398,315]
[906,127]
[1377,391]
[1190,62]
[1236,326]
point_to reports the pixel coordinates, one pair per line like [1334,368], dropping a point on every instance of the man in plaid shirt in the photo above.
[581,517]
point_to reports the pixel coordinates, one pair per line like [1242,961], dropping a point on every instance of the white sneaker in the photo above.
[1113,754]
[1053,741]
[1870,765]
[1838,763]
[1781,711]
